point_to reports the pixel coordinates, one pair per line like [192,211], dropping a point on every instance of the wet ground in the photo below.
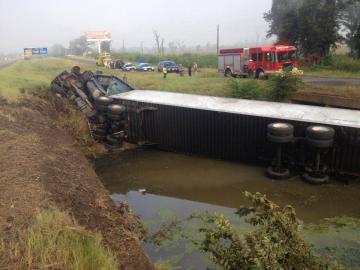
[178,185]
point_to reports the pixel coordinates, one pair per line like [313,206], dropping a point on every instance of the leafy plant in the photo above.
[275,243]
[283,85]
[246,90]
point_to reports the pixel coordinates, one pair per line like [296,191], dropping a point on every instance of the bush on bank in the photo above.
[274,243]
[283,85]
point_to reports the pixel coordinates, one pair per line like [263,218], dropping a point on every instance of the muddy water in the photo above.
[178,185]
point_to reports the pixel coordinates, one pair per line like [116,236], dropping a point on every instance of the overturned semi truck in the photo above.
[313,141]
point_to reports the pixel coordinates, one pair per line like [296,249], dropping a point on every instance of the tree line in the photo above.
[316,26]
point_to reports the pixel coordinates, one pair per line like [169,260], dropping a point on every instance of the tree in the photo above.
[157,41]
[57,50]
[351,23]
[319,26]
[78,46]
[283,20]
[105,46]
[172,47]
[162,47]
[312,25]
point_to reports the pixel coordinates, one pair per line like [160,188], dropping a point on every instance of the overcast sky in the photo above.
[37,23]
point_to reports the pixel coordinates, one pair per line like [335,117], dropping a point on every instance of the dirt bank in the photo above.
[41,165]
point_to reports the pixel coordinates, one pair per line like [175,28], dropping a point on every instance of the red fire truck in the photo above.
[260,62]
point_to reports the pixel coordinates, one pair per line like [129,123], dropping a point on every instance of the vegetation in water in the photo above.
[275,242]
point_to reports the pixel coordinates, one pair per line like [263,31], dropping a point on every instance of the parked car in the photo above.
[117,64]
[145,67]
[170,65]
[129,67]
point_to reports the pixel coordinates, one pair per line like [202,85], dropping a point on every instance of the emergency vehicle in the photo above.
[259,62]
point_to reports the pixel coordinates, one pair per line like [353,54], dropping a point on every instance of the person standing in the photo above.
[190,70]
[195,67]
[181,70]
[164,70]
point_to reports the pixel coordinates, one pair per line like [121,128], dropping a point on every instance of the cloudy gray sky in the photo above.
[36,23]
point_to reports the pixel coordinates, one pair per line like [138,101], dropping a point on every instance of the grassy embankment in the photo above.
[31,73]
[335,66]
[53,239]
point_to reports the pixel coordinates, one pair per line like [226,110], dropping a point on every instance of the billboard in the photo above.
[92,36]
[29,52]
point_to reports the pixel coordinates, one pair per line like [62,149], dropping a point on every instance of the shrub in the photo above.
[246,90]
[275,243]
[283,85]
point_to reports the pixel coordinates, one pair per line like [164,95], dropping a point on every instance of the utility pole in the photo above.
[123,46]
[142,47]
[218,39]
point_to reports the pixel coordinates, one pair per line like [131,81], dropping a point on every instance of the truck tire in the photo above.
[320,133]
[113,140]
[102,100]
[91,114]
[115,117]
[320,143]
[283,174]
[100,131]
[117,128]
[318,180]
[101,107]
[280,129]
[98,138]
[228,73]
[260,74]
[280,139]
[116,109]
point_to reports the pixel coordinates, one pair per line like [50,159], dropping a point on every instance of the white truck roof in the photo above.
[285,111]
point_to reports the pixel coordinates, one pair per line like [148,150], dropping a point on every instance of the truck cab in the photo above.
[260,62]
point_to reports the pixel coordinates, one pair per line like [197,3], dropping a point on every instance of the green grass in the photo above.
[54,241]
[40,72]
[340,74]
[31,73]
[335,66]
[206,82]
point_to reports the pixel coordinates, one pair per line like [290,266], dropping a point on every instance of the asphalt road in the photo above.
[4,64]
